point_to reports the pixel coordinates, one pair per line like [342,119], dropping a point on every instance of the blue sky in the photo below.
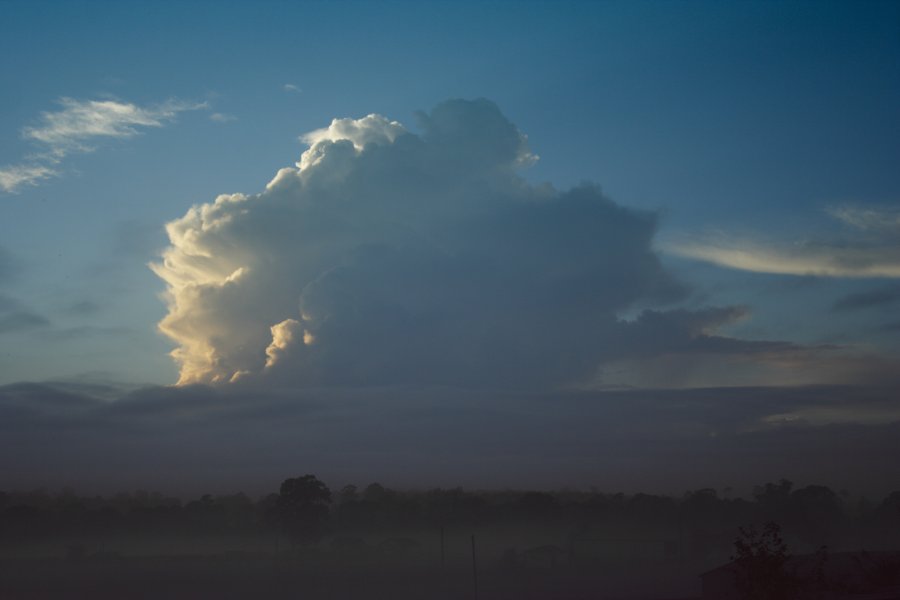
[757,143]
[749,120]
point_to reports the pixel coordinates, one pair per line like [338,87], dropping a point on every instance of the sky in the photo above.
[354,229]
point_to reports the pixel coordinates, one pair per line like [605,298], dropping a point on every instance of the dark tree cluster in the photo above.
[301,509]
[702,522]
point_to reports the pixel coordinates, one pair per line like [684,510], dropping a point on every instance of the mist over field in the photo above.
[427,544]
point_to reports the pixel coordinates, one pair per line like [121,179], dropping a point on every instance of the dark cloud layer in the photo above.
[16,317]
[195,438]
[882,297]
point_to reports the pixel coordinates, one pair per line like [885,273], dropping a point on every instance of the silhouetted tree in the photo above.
[302,508]
[760,560]
[375,492]
[348,494]
[538,505]
[889,508]
[816,514]
[774,499]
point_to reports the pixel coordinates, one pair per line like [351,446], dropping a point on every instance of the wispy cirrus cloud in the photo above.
[77,127]
[870,248]
[222,117]
[785,259]
[878,220]
[13,177]
[73,128]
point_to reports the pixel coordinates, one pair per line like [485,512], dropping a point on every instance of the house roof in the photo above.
[857,569]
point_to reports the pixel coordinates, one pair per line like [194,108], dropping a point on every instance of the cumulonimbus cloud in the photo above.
[387,256]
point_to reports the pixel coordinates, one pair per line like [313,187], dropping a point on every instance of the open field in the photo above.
[320,576]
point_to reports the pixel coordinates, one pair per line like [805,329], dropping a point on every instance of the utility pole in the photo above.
[474,569]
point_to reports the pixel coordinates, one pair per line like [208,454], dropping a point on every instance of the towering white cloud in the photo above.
[387,256]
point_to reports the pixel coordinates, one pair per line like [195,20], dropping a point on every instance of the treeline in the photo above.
[813,515]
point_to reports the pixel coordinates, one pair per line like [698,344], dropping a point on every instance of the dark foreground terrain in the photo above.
[305,542]
[262,575]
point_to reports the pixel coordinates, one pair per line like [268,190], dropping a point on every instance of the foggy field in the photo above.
[322,574]
[376,542]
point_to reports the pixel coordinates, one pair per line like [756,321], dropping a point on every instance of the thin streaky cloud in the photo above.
[76,126]
[819,261]
[222,118]
[863,300]
[290,87]
[14,177]
[79,121]
[21,321]
[870,247]
[873,219]
[14,316]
